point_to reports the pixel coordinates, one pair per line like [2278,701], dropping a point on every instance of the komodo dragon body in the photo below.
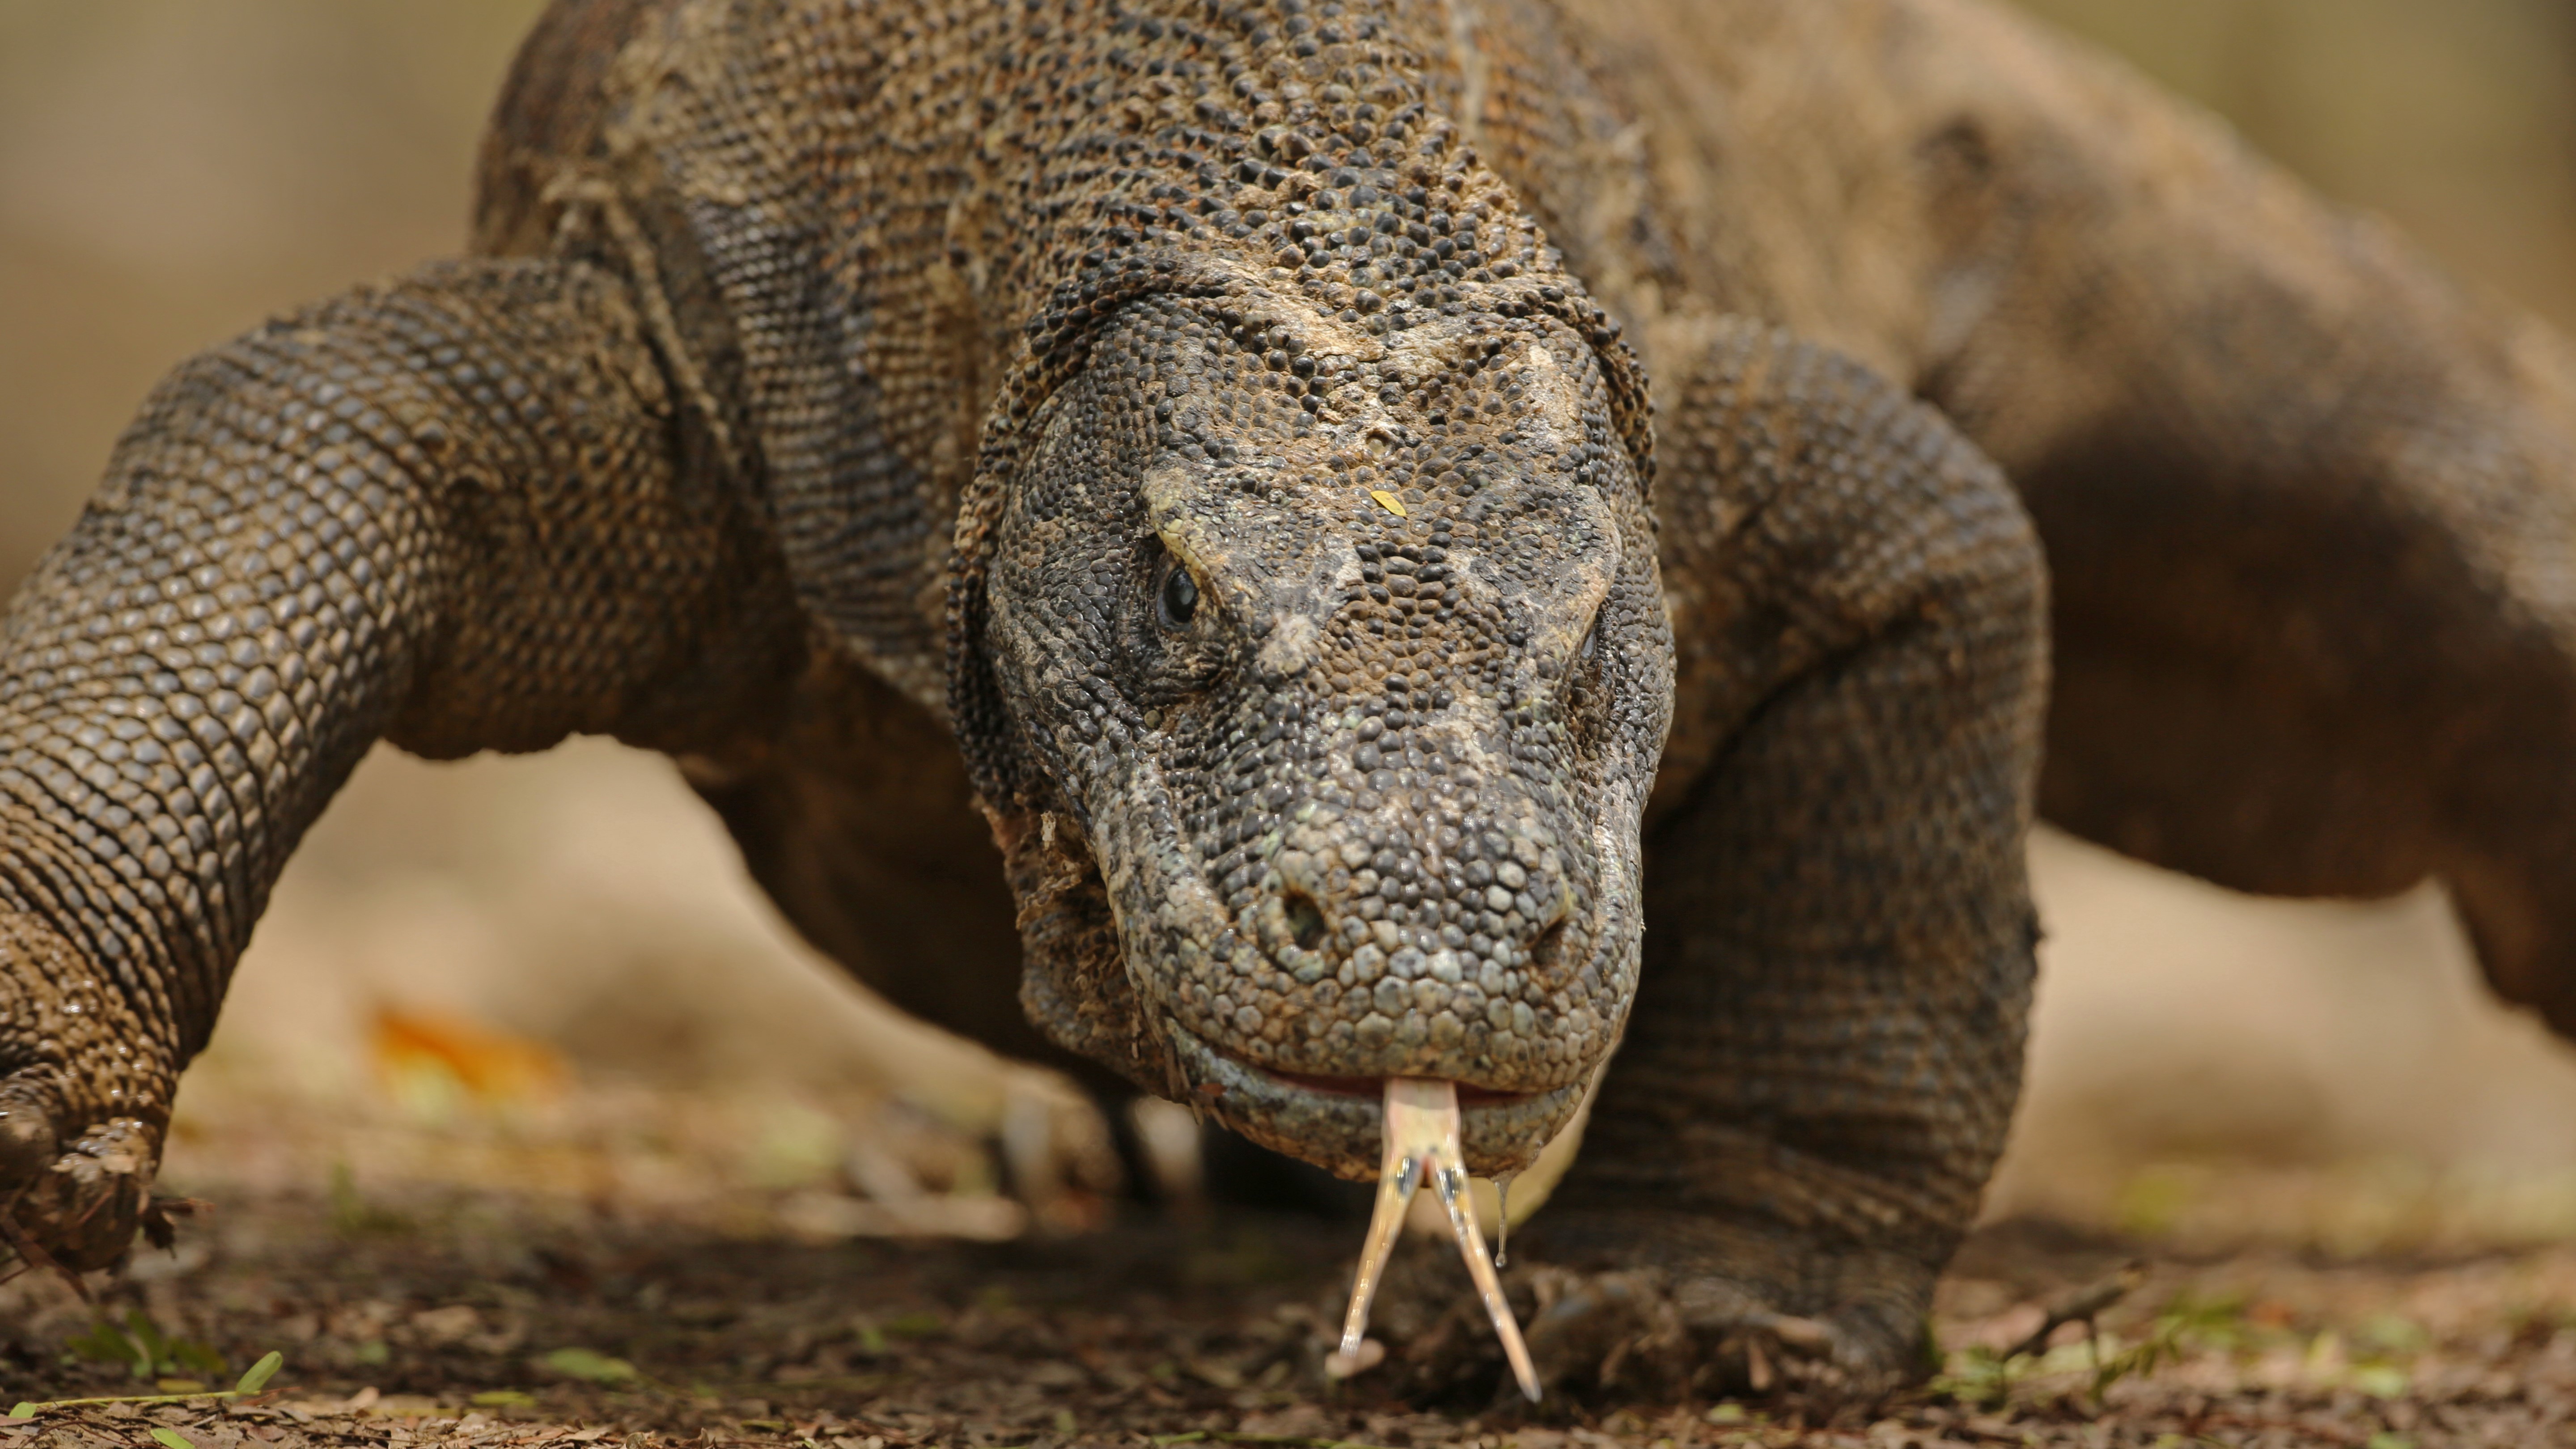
[1214,438]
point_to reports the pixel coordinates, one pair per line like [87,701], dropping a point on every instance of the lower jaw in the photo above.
[1343,1132]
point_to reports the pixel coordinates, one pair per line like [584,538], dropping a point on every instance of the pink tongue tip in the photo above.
[1422,1143]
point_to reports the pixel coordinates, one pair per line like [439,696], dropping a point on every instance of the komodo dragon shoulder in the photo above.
[1256,550]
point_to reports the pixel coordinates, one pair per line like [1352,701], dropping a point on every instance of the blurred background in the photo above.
[551,972]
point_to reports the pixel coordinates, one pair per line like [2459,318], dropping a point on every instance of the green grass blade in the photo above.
[256,1377]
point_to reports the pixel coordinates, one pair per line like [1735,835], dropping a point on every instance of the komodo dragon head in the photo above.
[1323,677]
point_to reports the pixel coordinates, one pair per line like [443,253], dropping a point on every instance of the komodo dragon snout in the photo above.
[1306,637]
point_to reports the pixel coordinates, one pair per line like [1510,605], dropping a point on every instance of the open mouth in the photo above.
[1339,1123]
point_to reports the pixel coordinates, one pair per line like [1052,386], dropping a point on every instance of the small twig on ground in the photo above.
[2017,1437]
[2083,1305]
[254,1380]
[27,1408]
[1284,1440]
[2322,1433]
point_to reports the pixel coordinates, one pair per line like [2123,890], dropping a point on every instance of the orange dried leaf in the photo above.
[493,1066]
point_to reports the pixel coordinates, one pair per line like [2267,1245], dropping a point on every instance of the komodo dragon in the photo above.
[1178,460]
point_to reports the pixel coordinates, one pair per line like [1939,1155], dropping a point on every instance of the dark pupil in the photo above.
[1592,640]
[1180,597]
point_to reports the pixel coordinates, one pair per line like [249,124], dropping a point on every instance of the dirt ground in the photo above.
[643,1268]
[699,1260]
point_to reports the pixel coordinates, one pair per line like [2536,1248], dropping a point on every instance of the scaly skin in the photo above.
[1200,438]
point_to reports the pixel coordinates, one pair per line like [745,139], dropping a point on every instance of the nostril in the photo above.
[1549,946]
[1305,920]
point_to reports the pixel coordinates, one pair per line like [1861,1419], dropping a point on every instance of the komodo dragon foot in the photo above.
[77,1148]
[1653,1305]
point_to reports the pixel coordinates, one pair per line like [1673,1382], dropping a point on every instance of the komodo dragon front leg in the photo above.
[2309,505]
[2311,508]
[2309,511]
[460,511]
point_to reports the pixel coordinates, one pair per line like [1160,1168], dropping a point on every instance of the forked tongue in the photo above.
[1422,1143]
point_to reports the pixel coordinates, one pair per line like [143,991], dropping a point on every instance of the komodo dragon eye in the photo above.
[1176,600]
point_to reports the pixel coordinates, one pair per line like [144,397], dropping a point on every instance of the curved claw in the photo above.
[1606,1328]
[30,1253]
[1766,1353]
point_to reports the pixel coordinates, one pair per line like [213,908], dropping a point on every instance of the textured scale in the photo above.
[1150,524]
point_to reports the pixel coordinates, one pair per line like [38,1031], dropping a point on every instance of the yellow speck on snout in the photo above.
[1389,502]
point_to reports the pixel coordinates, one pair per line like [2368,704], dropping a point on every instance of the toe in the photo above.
[78,1207]
[27,1139]
[1606,1330]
